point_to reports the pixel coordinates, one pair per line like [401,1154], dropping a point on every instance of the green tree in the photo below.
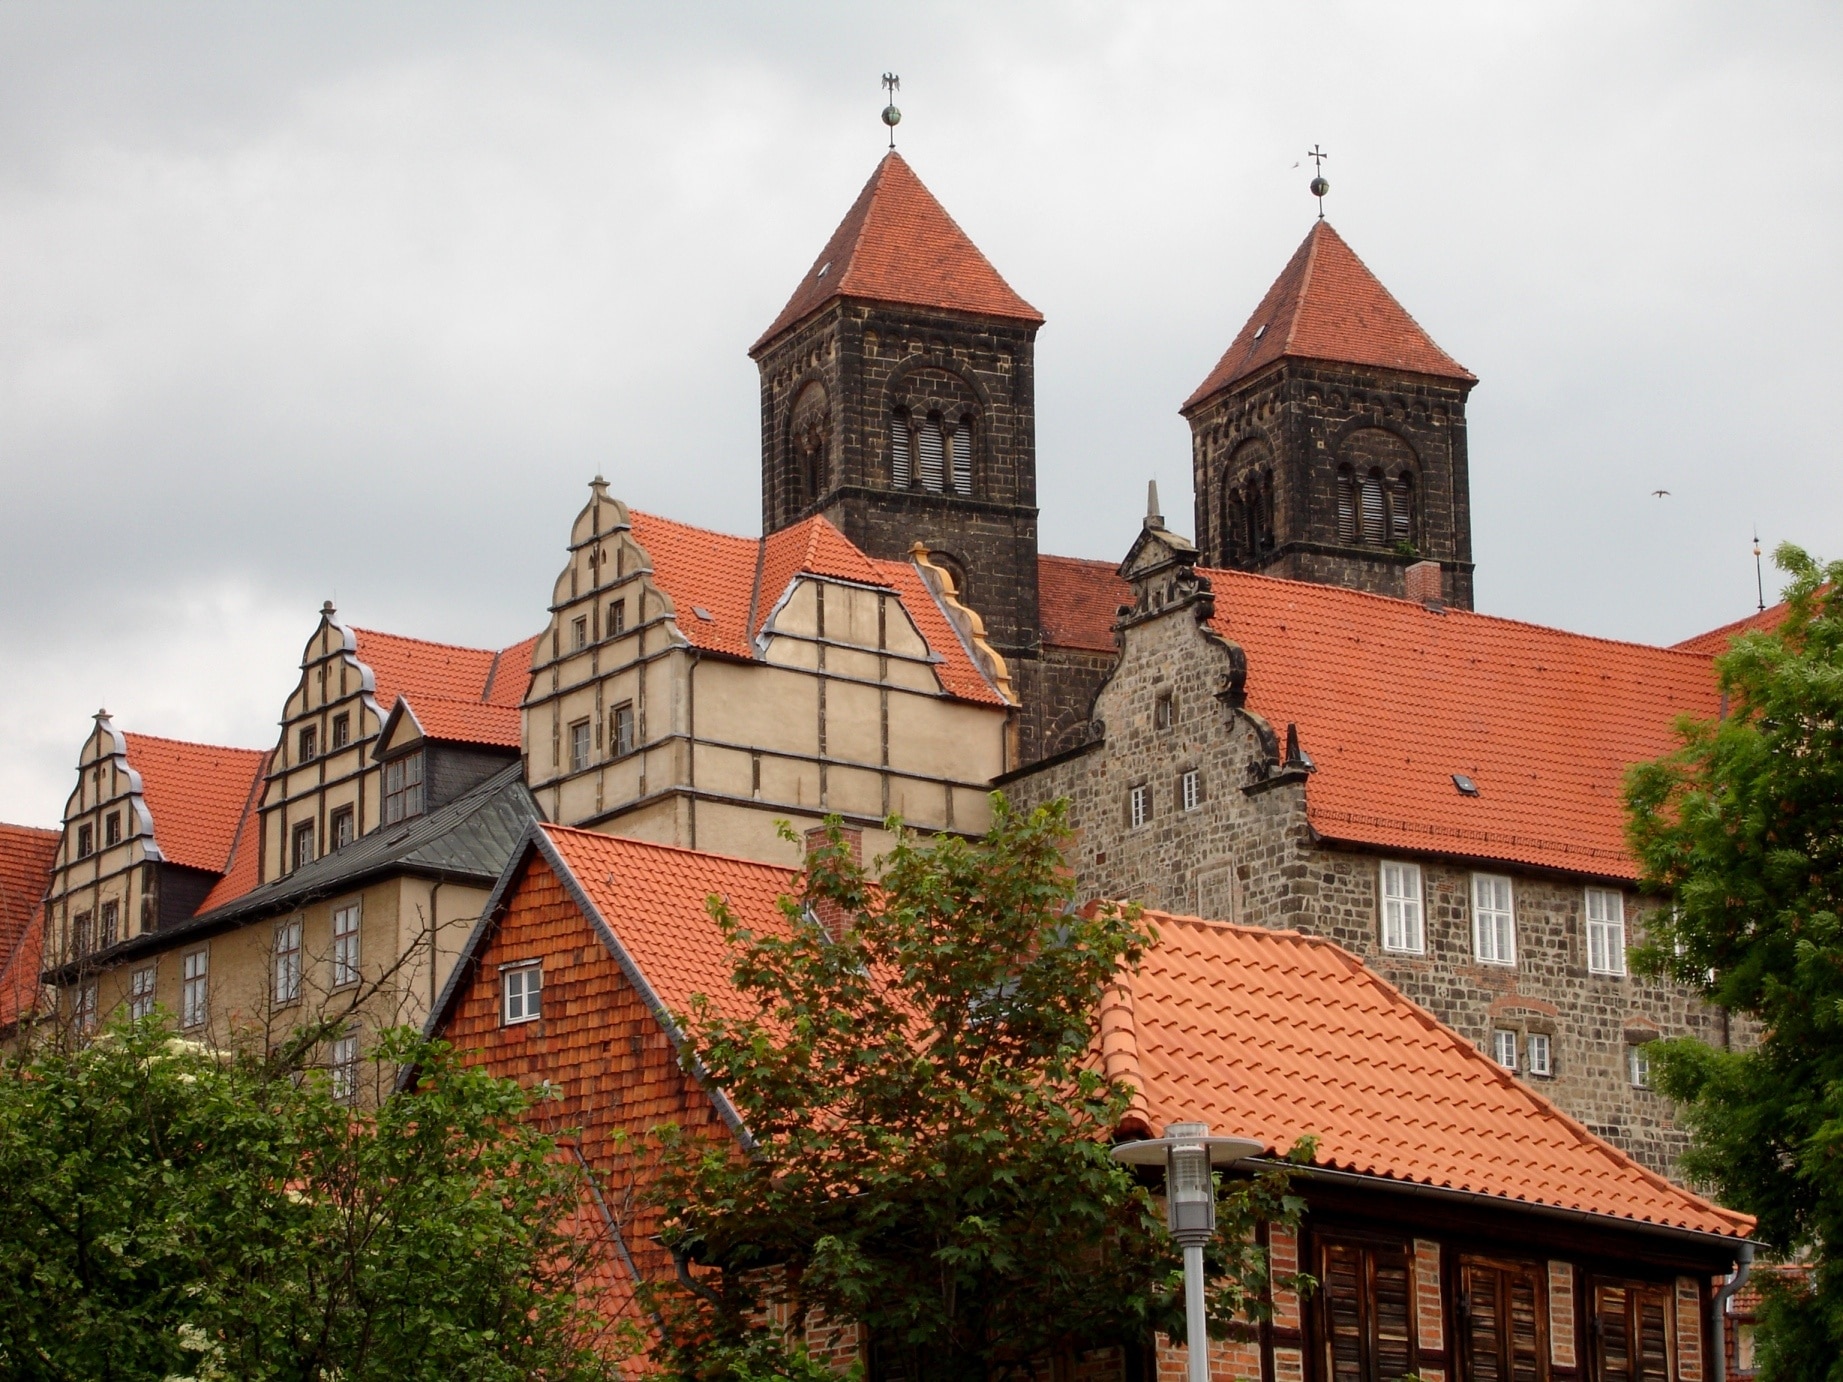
[167,1212]
[928,1136]
[1742,829]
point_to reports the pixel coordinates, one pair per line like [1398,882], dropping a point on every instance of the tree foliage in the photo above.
[1742,828]
[167,1212]
[929,1134]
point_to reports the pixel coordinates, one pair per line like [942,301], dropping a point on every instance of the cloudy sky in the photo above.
[305,302]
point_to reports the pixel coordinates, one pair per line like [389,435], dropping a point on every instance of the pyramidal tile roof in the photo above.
[197,795]
[1327,305]
[898,244]
[1274,1035]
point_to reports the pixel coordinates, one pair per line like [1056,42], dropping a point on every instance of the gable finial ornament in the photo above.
[1319,184]
[1153,518]
[892,116]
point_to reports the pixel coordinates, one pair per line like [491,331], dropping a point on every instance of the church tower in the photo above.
[1328,444]
[898,400]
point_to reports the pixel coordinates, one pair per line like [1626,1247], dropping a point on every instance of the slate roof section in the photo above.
[1273,1035]
[1392,698]
[1327,305]
[196,794]
[897,244]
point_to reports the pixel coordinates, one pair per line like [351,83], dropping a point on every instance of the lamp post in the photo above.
[1188,1153]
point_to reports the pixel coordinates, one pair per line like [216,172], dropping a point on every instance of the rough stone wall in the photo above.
[1300,421]
[1056,693]
[1247,853]
[830,453]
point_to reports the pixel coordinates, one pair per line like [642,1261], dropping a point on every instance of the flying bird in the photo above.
[1659,493]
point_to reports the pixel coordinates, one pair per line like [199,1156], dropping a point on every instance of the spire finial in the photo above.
[891,116]
[1319,185]
[1153,518]
[1759,579]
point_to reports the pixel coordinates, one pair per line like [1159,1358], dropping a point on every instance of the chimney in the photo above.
[1422,583]
[850,834]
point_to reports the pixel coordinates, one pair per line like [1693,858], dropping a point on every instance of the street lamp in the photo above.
[1187,1152]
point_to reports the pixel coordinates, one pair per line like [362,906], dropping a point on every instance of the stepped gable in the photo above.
[1273,1035]
[197,795]
[897,244]
[1327,305]
[1716,641]
[26,856]
[1078,601]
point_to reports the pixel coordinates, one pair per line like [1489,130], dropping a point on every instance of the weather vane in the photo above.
[1759,577]
[891,116]
[1319,185]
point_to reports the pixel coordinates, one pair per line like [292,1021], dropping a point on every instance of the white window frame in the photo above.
[1138,806]
[579,633]
[403,787]
[623,729]
[582,750]
[521,993]
[297,832]
[1504,1047]
[1190,789]
[288,968]
[1637,1066]
[1404,914]
[1539,1053]
[1604,909]
[342,1067]
[1494,919]
[83,1012]
[141,987]
[347,952]
[195,987]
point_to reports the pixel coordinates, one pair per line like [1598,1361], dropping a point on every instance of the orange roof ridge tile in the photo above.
[422,642]
[656,846]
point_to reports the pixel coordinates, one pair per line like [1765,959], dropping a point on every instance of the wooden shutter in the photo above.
[1632,1331]
[1504,1320]
[1366,1311]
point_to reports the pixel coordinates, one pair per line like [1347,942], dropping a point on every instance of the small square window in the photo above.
[288,961]
[579,633]
[623,732]
[342,729]
[1638,1067]
[617,618]
[1494,922]
[1536,1048]
[342,1065]
[309,743]
[345,945]
[1401,909]
[579,746]
[1190,790]
[1504,1048]
[86,840]
[141,992]
[195,977]
[524,986]
[112,828]
[1162,713]
[342,827]
[301,848]
[109,923]
[1138,807]
[1605,931]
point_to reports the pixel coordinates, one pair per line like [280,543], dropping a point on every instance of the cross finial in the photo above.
[1319,185]
[891,116]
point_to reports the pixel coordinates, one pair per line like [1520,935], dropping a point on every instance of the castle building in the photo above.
[1295,722]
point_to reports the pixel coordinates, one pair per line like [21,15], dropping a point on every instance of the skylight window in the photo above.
[1260,331]
[703,614]
[1467,787]
[823,269]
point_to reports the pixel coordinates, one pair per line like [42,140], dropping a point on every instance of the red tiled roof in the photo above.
[738,581]
[20,987]
[898,244]
[1327,305]
[403,665]
[1078,601]
[510,677]
[1273,1035]
[245,870]
[197,795]
[1391,699]
[466,722]
[26,855]
[1717,640]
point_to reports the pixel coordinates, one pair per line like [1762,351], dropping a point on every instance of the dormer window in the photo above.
[403,788]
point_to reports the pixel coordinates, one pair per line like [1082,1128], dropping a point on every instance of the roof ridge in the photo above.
[188,743]
[425,642]
[1305,285]
[251,811]
[31,829]
[552,828]
[694,528]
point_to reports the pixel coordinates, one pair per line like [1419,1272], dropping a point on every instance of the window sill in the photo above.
[521,1021]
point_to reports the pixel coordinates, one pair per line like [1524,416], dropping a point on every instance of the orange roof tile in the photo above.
[1327,305]
[510,676]
[413,664]
[1717,640]
[1078,601]
[20,986]
[197,795]
[898,244]
[1273,1035]
[466,722]
[244,871]
[26,855]
[1391,699]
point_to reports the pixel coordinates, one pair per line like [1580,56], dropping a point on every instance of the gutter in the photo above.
[1722,1297]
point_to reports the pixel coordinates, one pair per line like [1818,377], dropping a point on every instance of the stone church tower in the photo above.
[898,400]
[1328,444]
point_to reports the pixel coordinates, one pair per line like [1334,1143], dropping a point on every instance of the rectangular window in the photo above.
[112,828]
[343,1067]
[86,841]
[288,960]
[1190,790]
[345,945]
[1638,1067]
[617,618]
[1536,1047]
[1743,1348]
[402,788]
[1401,909]
[579,746]
[523,986]
[342,827]
[1137,810]
[309,744]
[194,981]
[579,634]
[1605,931]
[84,1013]
[302,849]
[1162,715]
[109,926]
[623,733]
[1504,1048]
[141,992]
[1494,921]
[81,938]
[1366,1312]
[1631,1331]
[342,729]
[1504,1322]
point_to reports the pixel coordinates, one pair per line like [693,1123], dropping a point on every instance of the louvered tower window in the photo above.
[960,443]
[1346,505]
[1401,509]
[902,468]
[1374,517]
[933,458]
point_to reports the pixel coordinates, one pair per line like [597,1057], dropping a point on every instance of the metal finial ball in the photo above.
[891,116]
[1320,187]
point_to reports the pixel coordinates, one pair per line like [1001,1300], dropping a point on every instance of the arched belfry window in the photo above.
[1234,526]
[933,455]
[960,450]
[902,466]
[1346,504]
[1375,515]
